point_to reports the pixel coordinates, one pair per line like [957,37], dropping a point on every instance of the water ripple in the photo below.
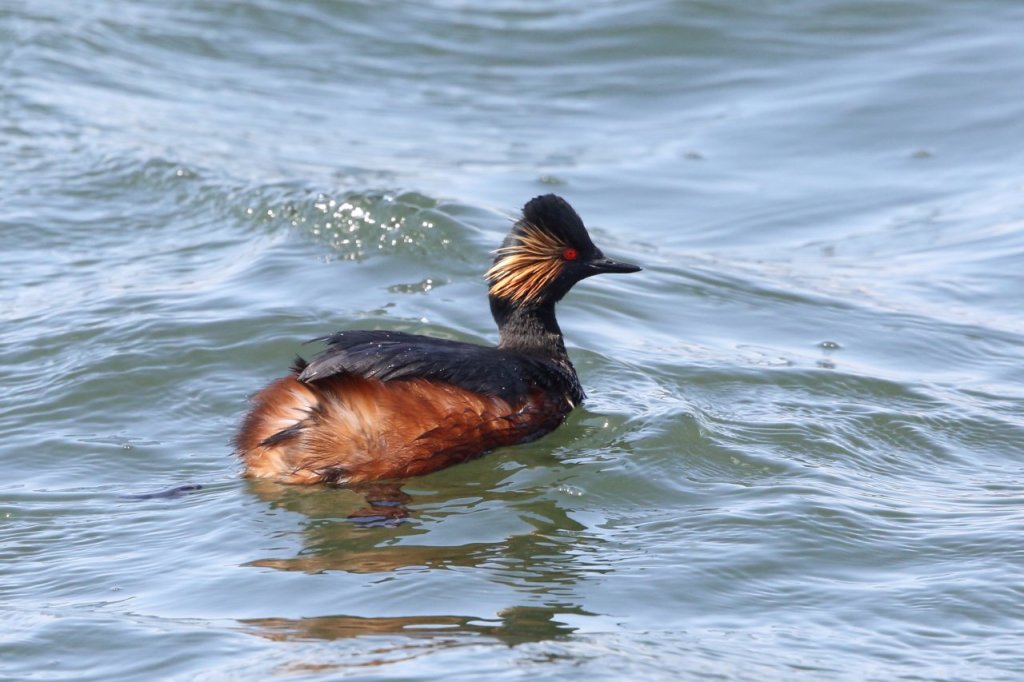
[800,455]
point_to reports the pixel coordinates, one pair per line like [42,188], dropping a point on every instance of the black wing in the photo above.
[387,355]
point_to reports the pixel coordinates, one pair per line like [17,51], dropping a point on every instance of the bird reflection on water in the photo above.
[411,637]
[358,531]
[515,625]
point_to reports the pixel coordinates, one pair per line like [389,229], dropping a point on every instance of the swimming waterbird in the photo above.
[385,405]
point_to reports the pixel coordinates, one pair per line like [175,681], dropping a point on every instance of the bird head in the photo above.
[547,251]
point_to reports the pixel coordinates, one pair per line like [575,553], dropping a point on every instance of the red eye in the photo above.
[570,254]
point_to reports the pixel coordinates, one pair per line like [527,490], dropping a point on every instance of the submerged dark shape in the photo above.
[381,404]
[177,491]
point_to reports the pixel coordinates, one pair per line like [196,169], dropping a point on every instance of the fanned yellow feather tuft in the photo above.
[525,268]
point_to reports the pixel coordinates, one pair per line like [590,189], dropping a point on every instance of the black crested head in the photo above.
[553,214]
[547,251]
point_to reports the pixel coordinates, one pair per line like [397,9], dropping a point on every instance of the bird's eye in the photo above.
[570,254]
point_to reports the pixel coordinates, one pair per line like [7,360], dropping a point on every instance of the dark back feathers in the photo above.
[387,356]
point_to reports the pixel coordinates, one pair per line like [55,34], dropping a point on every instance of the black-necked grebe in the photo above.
[383,405]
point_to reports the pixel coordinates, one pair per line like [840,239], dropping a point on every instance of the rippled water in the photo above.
[803,451]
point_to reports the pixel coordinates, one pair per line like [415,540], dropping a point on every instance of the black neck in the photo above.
[529,328]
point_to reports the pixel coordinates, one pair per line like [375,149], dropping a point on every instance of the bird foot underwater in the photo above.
[386,505]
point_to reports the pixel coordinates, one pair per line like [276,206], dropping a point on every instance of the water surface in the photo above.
[802,451]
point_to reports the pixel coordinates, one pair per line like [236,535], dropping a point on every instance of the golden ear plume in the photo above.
[525,268]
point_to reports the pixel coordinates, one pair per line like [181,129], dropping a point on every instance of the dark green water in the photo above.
[803,450]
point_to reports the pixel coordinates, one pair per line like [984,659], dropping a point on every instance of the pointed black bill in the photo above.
[602,264]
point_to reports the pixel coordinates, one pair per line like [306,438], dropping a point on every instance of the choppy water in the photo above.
[803,452]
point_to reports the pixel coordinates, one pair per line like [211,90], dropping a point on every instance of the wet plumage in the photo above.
[380,404]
